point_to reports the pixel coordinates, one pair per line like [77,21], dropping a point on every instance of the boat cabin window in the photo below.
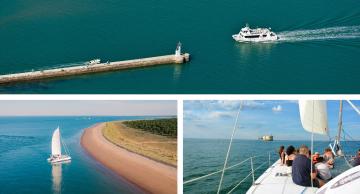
[264,35]
[252,36]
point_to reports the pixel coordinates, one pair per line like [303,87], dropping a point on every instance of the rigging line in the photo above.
[353,106]
[312,145]
[65,147]
[216,172]
[228,151]
[349,136]
[246,177]
[344,155]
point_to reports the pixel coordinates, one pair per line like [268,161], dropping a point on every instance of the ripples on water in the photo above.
[8,142]
[340,32]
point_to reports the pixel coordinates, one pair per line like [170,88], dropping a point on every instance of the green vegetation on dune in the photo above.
[157,147]
[164,127]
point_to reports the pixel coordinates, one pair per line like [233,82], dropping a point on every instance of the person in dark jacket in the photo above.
[301,170]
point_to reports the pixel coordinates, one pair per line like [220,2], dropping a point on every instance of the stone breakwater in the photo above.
[94,68]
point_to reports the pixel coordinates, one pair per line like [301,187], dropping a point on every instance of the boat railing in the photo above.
[252,172]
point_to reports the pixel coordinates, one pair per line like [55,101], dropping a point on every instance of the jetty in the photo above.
[95,66]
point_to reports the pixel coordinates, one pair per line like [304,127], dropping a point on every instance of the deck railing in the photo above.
[252,172]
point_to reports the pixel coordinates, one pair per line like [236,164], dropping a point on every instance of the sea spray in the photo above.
[340,32]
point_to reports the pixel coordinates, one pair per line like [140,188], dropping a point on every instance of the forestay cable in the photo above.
[228,151]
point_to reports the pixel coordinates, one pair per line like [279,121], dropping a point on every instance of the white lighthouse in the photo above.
[178,50]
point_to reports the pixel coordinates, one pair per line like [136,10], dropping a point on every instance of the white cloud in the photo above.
[277,108]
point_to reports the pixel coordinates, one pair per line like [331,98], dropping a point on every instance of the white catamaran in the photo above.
[277,179]
[56,155]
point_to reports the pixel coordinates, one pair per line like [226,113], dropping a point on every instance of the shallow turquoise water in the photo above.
[25,146]
[203,156]
[36,34]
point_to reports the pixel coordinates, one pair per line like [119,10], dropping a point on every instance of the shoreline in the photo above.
[150,175]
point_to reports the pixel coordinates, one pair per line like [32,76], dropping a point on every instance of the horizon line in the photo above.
[257,139]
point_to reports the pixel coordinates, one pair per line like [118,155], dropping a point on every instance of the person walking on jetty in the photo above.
[302,172]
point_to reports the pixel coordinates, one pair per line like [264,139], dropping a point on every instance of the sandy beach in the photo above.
[152,176]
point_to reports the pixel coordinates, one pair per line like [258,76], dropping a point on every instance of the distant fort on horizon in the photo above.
[267,138]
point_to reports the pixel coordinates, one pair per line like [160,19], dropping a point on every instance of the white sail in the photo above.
[55,143]
[313,116]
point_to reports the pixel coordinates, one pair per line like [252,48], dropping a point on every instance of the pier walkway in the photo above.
[94,68]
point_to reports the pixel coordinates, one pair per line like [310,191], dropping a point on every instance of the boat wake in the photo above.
[341,32]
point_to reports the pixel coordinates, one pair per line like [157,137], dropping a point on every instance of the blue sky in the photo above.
[88,107]
[215,119]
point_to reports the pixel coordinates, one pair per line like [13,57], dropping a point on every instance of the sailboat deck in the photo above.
[277,179]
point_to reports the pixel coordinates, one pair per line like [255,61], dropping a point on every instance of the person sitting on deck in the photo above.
[323,169]
[329,157]
[282,154]
[356,161]
[301,170]
[315,157]
[290,155]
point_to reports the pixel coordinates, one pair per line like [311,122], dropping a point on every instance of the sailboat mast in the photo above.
[340,122]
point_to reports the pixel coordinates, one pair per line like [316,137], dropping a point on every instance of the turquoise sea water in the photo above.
[25,146]
[319,51]
[203,156]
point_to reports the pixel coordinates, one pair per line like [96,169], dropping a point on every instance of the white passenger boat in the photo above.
[247,34]
[56,155]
